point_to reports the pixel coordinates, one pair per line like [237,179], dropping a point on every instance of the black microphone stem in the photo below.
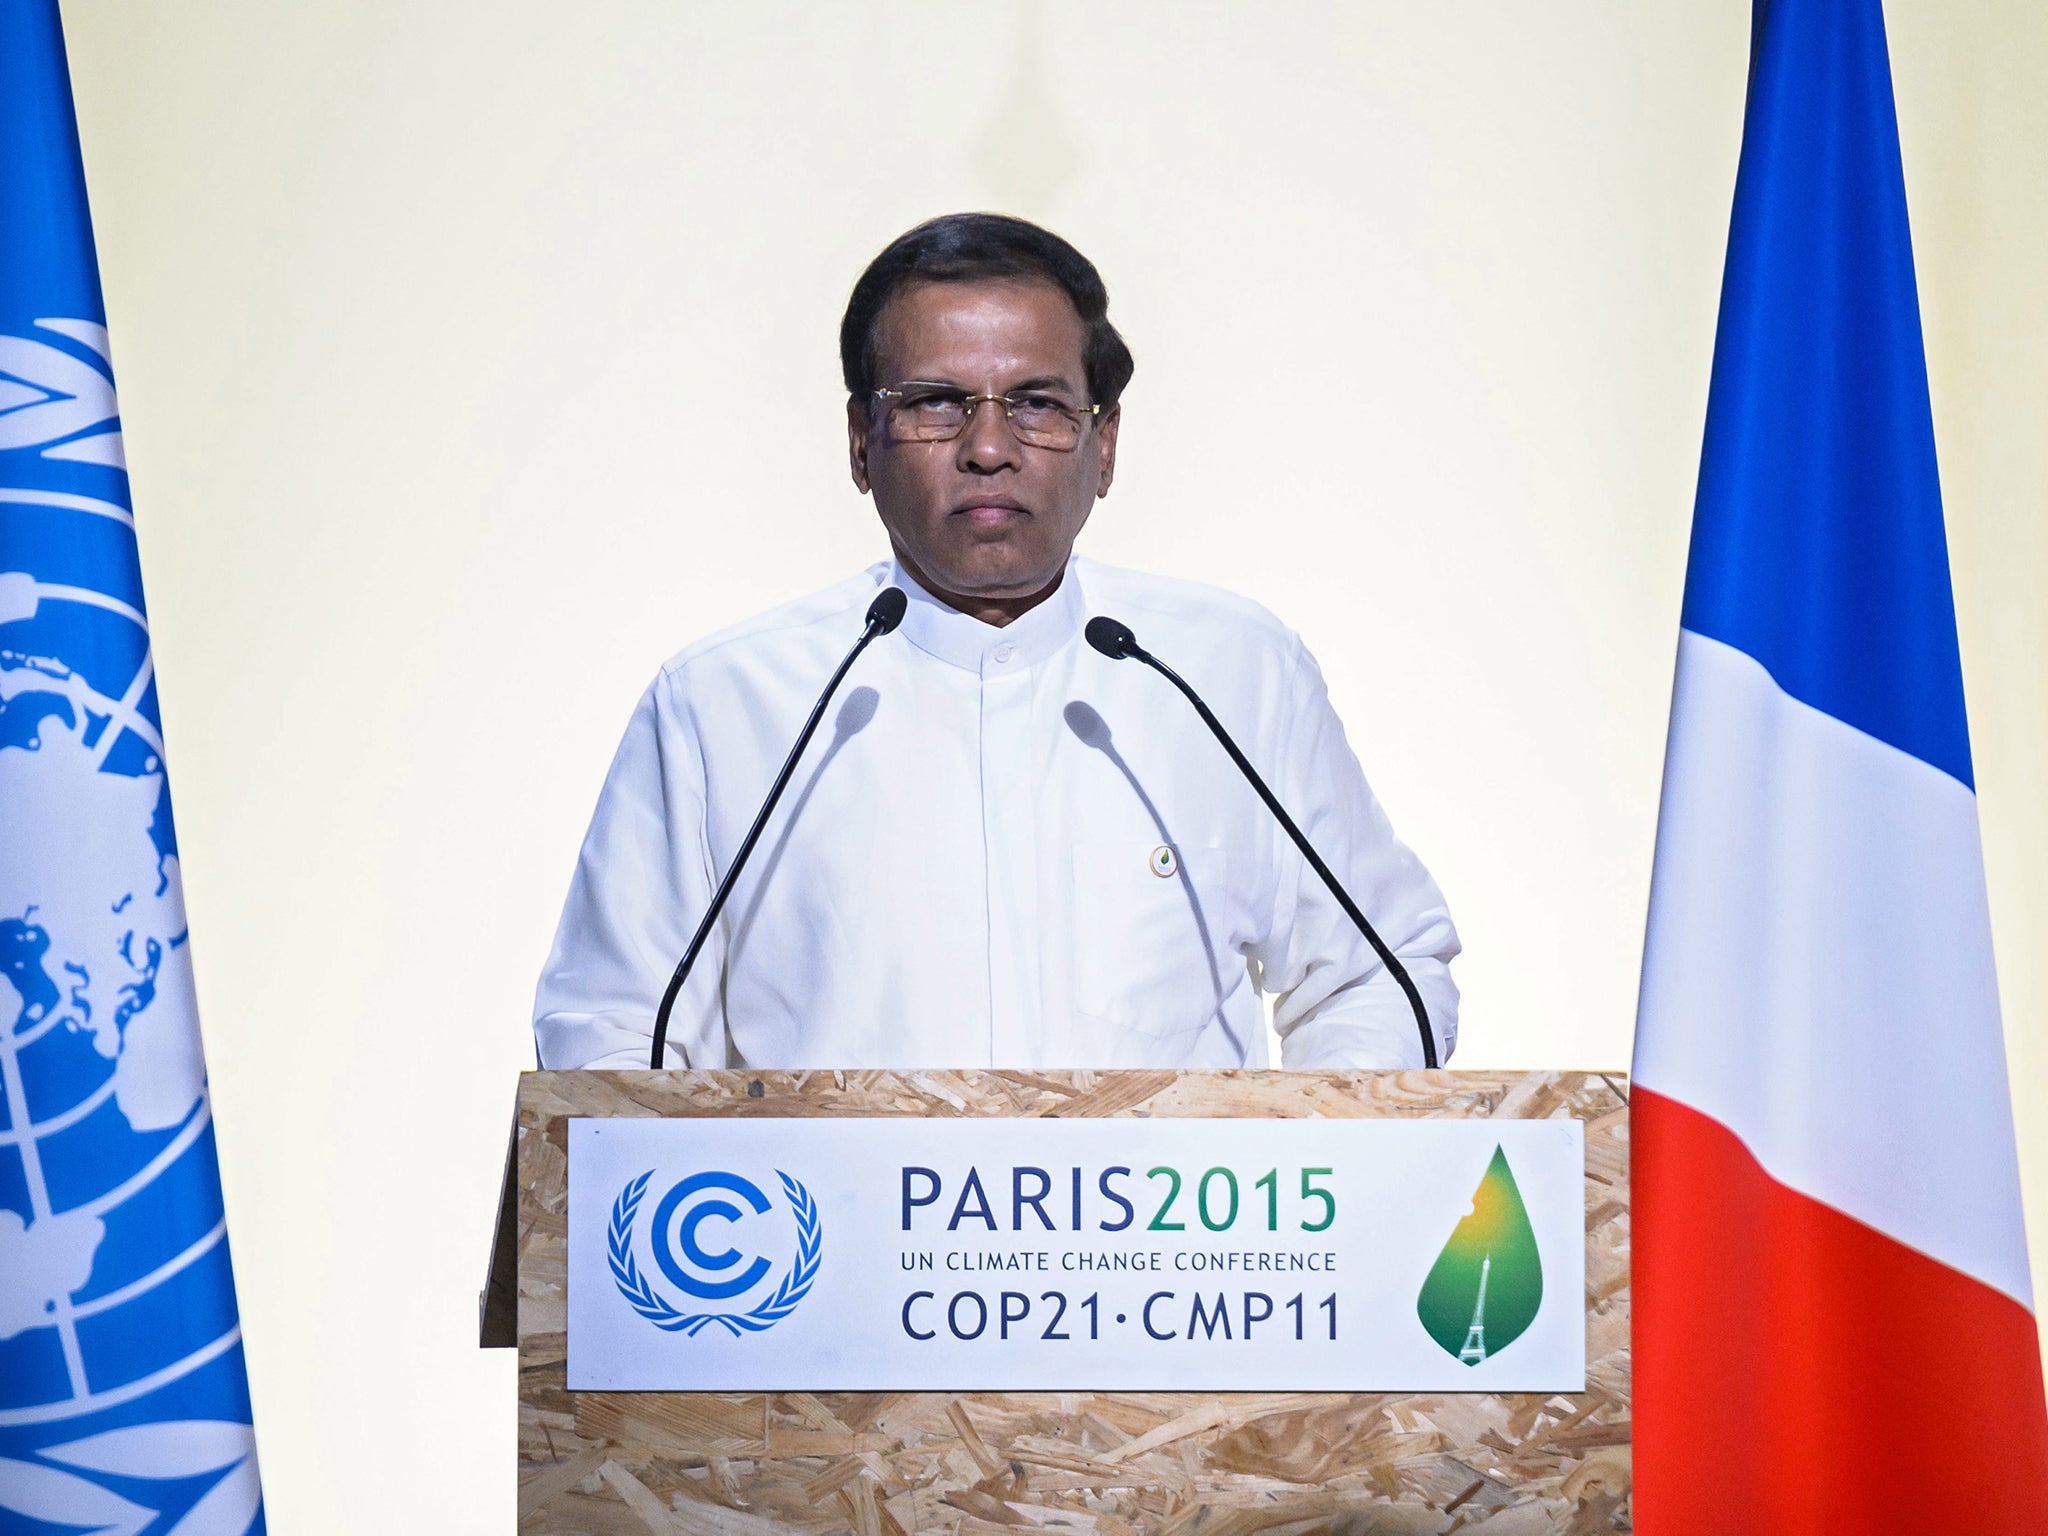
[1387,957]
[879,623]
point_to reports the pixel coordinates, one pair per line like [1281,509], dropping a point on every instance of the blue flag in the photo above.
[124,1407]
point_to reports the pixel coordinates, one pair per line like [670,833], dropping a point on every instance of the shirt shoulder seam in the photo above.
[792,616]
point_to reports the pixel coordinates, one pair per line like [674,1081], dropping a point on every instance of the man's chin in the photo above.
[1003,583]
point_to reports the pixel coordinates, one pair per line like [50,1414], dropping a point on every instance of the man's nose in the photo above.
[986,443]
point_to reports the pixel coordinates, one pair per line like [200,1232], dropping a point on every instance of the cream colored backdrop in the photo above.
[474,357]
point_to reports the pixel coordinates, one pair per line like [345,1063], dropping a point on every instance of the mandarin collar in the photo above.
[987,650]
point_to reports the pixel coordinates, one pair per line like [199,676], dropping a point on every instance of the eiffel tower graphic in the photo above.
[1475,1336]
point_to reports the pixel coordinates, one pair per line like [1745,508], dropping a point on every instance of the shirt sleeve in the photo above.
[642,881]
[1335,1003]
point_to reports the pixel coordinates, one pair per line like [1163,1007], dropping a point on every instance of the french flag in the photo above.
[1834,1328]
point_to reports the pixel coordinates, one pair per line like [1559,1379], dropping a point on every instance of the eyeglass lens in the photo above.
[937,416]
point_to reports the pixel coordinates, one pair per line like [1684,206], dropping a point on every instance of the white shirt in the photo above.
[1002,849]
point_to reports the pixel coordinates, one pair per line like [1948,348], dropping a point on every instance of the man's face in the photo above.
[984,521]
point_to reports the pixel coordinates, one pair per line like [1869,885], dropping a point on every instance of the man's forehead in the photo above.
[999,324]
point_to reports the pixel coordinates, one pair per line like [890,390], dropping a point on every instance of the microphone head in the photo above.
[1110,637]
[887,610]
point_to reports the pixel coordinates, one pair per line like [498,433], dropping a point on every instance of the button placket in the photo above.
[1011,833]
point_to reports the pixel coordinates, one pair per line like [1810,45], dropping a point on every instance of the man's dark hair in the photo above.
[976,248]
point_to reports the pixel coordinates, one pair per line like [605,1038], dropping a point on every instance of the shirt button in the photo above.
[1164,862]
[1005,651]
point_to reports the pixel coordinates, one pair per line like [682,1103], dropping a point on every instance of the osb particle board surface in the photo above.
[1188,1464]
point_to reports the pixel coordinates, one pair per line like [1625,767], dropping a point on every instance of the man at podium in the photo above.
[1003,847]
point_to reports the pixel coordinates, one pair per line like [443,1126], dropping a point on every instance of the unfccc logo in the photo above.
[699,1212]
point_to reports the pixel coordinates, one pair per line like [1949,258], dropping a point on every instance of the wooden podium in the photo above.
[1210,1464]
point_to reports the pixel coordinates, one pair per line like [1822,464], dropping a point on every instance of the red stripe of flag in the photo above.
[1840,1381]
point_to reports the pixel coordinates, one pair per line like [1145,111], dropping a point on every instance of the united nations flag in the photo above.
[123,1402]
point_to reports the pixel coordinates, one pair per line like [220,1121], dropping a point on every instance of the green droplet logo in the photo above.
[1485,1287]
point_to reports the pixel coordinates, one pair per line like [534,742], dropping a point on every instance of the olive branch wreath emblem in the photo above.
[658,1310]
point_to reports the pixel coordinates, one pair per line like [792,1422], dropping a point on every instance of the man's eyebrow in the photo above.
[1042,381]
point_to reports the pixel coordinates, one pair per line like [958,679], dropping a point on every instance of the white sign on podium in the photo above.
[1075,1255]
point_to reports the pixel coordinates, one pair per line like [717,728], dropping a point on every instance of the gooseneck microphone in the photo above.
[1116,641]
[884,614]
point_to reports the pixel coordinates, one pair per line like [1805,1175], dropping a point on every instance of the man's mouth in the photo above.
[991,511]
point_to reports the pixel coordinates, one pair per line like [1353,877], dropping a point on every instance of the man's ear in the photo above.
[1106,442]
[859,429]
[858,424]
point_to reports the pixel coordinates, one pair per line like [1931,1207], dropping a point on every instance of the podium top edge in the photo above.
[1023,1094]
[1446,1075]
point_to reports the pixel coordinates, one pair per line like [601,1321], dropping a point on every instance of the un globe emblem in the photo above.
[120,1374]
[685,1251]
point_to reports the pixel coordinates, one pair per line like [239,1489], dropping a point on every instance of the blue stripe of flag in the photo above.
[1817,543]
